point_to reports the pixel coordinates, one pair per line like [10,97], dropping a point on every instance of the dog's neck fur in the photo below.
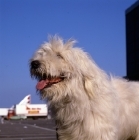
[71,113]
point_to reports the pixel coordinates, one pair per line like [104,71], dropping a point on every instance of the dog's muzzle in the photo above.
[35,64]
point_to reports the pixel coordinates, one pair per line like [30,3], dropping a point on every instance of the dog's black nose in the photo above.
[35,64]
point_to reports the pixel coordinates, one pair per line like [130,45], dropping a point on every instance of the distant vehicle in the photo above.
[33,111]
[9,112]
[24,109]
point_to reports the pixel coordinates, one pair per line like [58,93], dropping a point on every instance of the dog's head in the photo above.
[53,65]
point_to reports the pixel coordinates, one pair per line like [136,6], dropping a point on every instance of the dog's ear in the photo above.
[89,86]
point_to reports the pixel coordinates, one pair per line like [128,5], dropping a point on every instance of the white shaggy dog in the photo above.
[89,104]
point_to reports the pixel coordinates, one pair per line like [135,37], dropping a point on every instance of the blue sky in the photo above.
[97,25]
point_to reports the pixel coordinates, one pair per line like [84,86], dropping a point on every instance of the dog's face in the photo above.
[53,67]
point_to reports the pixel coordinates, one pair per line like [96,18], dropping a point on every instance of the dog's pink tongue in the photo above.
[40,85]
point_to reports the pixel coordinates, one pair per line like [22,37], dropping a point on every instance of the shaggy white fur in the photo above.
[89,104]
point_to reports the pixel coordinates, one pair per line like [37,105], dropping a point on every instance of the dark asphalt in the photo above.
[41,129]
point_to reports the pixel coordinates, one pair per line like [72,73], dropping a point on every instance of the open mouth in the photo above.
[47,81]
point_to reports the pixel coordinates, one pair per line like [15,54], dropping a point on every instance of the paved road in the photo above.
[28,130]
